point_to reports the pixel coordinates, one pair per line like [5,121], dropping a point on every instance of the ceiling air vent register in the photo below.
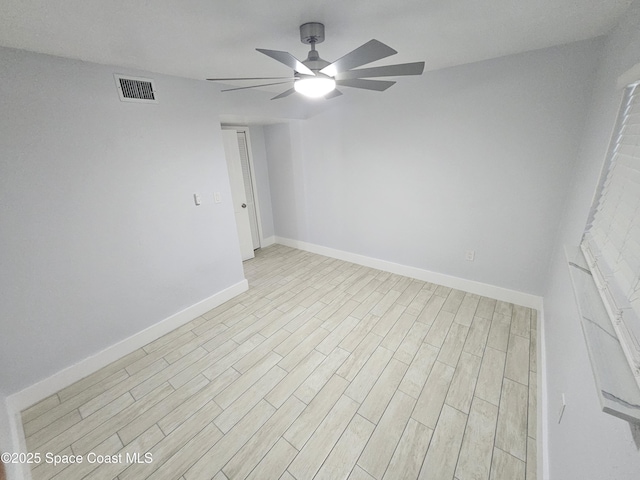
[136,89]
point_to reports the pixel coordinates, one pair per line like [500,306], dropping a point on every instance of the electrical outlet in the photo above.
[217,197]
[196,199]
[470,255]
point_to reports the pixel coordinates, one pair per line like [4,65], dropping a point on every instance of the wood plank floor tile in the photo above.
[350,368]
[376,402]
[442,456]
[517,366]
[305,347]
[99,401]
[173,442]
[338,334]
[316,450]
[189,454]
[489,385]
[433,393]
[378,452]
[87,442]
[464,315]
[431,309]
[499,332]
[279,394]
[195,402]
[504,308]
[521,321]
[321,375]
[410,452]
[359,474]
[398,332]
[81,428]
[532,417]
[476,452]
[506,467]
[419,370]
[463,382]
[486,307]
[342,458]
[274,463]
[261,351]
[531,470]
[511,432]
[161,409]
[43,406]
[453,344]
[477,337]
[250,455]
[453,301]
[420,301]
[322,369]
[411,343]
[223,450]
[213,370]
[368,375]
[302,429]
[249,399]
[359,332]
[439,329]
[246,380]
[84,469]
[410,293]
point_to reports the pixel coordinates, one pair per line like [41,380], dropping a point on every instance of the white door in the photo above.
[238,196]
[252,207]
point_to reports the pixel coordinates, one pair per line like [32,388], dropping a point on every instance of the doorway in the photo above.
[237,147]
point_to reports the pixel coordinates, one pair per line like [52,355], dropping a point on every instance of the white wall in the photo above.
[475,157]
[588,444]
[100,235]
[287,180]
[261,177]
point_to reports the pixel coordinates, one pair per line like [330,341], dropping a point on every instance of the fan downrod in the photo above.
[312,33]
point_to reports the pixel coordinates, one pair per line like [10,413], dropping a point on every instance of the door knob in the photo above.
[244,205]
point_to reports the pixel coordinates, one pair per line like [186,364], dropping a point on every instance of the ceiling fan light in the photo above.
[314,87]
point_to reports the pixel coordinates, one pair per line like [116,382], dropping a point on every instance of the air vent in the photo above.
[135,89]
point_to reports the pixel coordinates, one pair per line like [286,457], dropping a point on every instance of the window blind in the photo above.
[611,243]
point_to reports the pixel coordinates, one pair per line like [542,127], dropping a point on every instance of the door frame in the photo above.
[256,201]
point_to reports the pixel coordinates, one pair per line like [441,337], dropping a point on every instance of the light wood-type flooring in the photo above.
[323,369]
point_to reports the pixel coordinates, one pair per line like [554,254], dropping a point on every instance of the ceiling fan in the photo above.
[315,77]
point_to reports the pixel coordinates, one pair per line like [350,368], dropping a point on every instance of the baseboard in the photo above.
[267,242]
[16,471]
[542,442]
[33,394]
[25,398]
[471,286]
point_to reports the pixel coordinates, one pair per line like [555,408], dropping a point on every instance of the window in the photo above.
[611,243]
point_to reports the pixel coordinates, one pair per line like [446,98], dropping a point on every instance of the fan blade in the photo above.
[387,71]
[369,52]
[286,93]
[288,59]
[334,93]
[379,85]
[248,78]
[252,86]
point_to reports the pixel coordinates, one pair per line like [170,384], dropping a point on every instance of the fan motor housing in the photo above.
[312,32]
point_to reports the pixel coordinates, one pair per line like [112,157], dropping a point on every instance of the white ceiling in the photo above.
[216,38]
